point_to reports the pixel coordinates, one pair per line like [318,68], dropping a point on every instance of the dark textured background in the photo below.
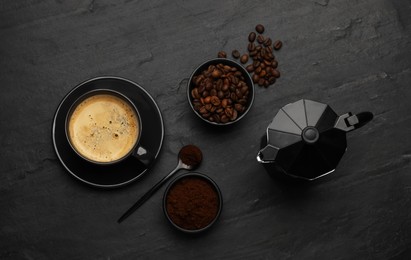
[353,55]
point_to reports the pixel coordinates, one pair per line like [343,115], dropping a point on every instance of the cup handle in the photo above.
[143,155]
[349,122]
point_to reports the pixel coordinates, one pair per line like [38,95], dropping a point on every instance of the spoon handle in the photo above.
[148,194]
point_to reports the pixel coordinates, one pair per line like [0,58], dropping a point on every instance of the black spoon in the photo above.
[189,158]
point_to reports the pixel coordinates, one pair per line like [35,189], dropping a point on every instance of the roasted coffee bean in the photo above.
[207,100]
[241,84]
[242,101]
[229,112]
[262,52]
[267,62]
[226,83]
[251,46]
[260,39]
[261,82]
[206,115]
[216,118]
[224,103]
[224,119]
[233,97]
[235,80]
[250,68]
[244,58]
[202,110]
[222,54]
[205,94]
[244,89]
[226,68]
[235,54]
[208,86]
[194,93]
[251,37]
[216,73]
[259,28]
[234,115]
[238,94]
[238,74]
[274,64]
[277,45]
[232,88]
[271,80]
[238,107]
[256,63]
[270,71]
[268,42]
[262,73]
[257,70]
[213,92]
[198,79]
[197,106]
[220,94]
[255,78]
[225,87]
[215,101]
[276,73]
[253,53]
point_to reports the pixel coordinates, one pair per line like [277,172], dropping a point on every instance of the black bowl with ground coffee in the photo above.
[192,202]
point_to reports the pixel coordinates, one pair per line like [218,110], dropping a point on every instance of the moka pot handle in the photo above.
[349,122]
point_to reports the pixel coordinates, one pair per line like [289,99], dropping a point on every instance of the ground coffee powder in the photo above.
[192,203]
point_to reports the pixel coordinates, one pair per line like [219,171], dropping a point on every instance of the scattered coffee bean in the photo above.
[255,78]
[236,54]
[259,28]
[251,37]
[250,68]
[251,46]
[264,65]
[268,42]
[222,54]
[220,93]
[277,45]
[260,39]
[263,70]
[244,58]
[276,73]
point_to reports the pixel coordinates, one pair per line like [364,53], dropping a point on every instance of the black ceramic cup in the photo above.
[110,127]
[247,79]
[183,198]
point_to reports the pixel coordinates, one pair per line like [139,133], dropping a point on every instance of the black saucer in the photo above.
[128,170]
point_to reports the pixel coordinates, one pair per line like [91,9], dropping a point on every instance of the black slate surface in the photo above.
[353,55]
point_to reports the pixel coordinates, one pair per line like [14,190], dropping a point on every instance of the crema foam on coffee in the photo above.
[103,128]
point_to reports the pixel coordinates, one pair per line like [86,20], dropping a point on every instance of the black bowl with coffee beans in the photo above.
[220,91]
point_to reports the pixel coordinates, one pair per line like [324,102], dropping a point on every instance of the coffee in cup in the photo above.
[103,127]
